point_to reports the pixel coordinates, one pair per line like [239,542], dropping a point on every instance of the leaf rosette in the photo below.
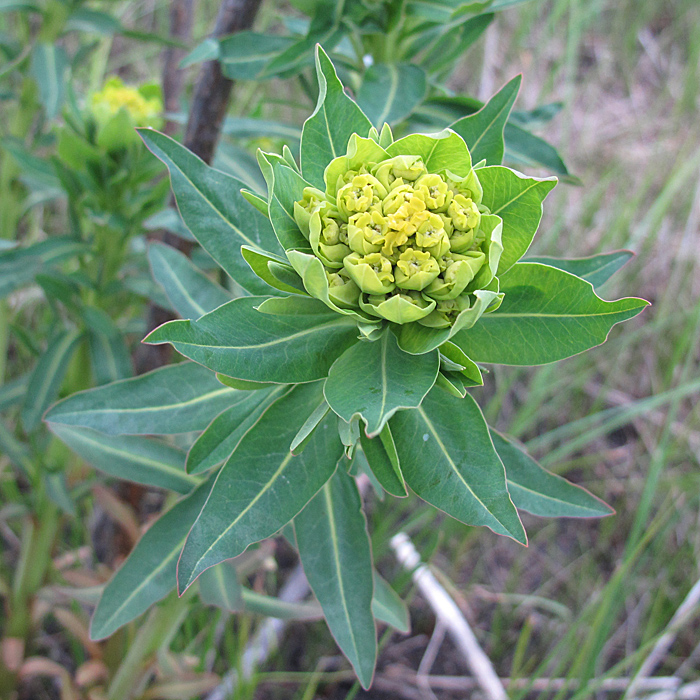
[376,274]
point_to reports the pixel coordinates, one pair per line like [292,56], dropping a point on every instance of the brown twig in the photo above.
[213,88]
[181,15]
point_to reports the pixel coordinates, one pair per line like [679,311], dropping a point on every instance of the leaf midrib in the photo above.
[236,520]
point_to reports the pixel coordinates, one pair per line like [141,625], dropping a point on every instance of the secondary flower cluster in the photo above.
[400,242]
[143,105]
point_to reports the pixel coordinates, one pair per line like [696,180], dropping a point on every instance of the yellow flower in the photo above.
[143,105]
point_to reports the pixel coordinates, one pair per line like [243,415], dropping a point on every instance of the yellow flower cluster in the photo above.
[143,109]
[398,241]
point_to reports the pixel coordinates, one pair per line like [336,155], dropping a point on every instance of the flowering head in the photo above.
[142,105]
[403,237]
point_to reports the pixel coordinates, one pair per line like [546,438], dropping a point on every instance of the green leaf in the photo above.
[302,438]
[282,610]
[438,151]
[596,269]
[149,573]
[448,459]
[48,376]
[390,91]
[109,353]
[109,357]
[483,131]
[48,68]
[540,492]
[387,471]
[130,457]
[244,55]
[546,315]
[240,163]
[335,552]
[375,379]
[239,341]
[175,399]
[388,607]
[13,392]
[470,373]
[248,128]
[191,293]
[225,432]
[263,486]
[286,186]
[219,586]
[87,20]
[327,131]
[214,209]
[525,149]
[259,262]
[518,201]
[19,265]
[207,50]
[447,47]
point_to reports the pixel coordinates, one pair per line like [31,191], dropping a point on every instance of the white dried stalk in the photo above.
[451,616]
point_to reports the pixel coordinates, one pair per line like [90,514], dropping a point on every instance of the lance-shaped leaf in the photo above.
[109,356]
[540,492]
[260,264]
[483,131]
[174,399]
[48,67]
[518,201]
[149,573]
[335,552]
[213,208]
[546,315]
[48,376]
[448,459]
[240,342]
[218,442]
[376,379]
[285,186]
[263,486]
[244,54]
[596,269]
[384,463]
[389,92]
[327,131]
[130,457]
[388,607]
[191,293]
[220,586]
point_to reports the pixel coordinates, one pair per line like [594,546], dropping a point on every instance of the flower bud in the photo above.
[372,273]
[432,236]
[366,232]
[464,213]
[434,191]
[468,186]
[312,200]
[458,273]
[342,291]
[404,307]
[446,312]
[359,195]
[327,236]
[405,168]
[416,269]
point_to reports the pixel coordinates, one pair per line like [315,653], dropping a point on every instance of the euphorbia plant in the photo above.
[379,272]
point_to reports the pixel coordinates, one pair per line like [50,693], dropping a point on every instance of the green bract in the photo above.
[376,274]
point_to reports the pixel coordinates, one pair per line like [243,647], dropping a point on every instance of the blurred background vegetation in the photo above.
[588,600]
